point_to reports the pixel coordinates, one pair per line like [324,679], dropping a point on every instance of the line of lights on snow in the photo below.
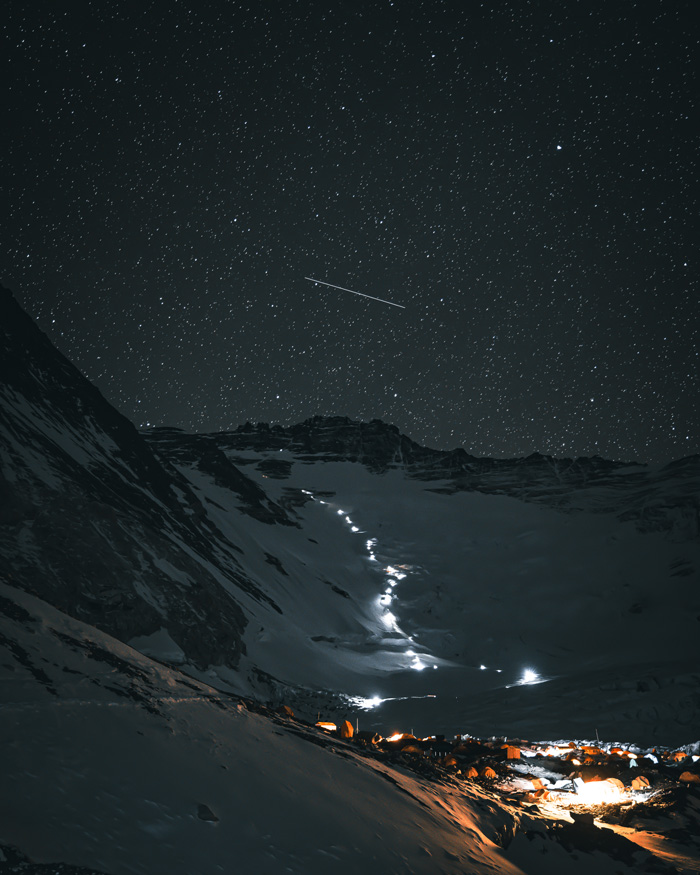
[394,576]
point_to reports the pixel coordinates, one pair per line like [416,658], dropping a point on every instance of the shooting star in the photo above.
[361,294]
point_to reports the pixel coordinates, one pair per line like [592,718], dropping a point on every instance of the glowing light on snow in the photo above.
[366,704]
[355,529]
[397,736]
[384,600]
[482,667]
[340,512]
[417,665]
[529,677]
[348,520]
[399,576]
[389,620]
[391,570]
[372,557]
[555,751]
[410,653]
[597,792]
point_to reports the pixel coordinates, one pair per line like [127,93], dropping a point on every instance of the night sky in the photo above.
[521,176]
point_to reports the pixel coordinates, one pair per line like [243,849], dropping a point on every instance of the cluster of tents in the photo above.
[537,770]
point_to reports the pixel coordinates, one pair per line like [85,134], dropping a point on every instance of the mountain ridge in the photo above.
[557,482]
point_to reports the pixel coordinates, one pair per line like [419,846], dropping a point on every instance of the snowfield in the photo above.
[579,599]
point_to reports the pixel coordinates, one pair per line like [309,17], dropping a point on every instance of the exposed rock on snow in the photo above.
[93,522]
[204,812]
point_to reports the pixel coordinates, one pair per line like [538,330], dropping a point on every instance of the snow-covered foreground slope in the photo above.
[115,763]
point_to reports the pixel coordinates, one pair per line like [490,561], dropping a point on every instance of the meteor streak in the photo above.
[361,294]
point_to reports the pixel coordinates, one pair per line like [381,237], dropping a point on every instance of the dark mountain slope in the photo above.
[93,522]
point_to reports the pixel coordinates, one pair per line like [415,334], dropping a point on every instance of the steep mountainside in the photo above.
[92,522]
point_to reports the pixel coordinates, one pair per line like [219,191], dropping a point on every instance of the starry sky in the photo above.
[521,176]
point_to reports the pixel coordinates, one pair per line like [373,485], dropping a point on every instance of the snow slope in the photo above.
[113,762]
[458,593]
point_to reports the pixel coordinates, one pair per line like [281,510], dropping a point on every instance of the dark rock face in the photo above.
[203,453]
[98,525]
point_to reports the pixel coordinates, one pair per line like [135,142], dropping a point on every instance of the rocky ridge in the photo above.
[664,498]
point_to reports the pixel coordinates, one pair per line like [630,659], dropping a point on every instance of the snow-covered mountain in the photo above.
[342,557]
[151,580]
[467,573]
